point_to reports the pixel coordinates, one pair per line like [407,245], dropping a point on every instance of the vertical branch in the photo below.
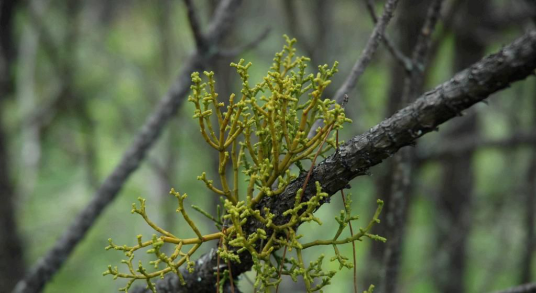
[455,194]
[401,177]
[11,246]
[26,99]
[530,215]
[408,24]
[367,54]
[195,26]
[398,55]
[364,59]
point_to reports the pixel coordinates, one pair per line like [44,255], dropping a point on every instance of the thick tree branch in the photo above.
[47,266]
[468,87]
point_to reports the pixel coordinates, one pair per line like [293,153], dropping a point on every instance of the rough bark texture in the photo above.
[354,158]
[47,266]
[455,193]
[11,248]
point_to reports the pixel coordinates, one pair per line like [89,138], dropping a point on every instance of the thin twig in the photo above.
[230,276]
[370,48]
[301,197]
[195,26]
[364,59]
[402,59]
[420,53]
[351,229]
[218,267]
[233,52]
[354,254]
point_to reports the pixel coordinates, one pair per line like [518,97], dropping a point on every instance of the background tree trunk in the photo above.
[11,246]
[453,204]
[409,22]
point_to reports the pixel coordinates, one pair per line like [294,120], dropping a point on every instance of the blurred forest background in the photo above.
[78,78]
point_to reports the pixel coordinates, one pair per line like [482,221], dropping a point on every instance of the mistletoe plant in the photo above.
[262,134]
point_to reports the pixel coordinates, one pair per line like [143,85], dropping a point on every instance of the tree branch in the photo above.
[364,59]
[370,48]
[468,87]
[233,52]
[195,27]
[471,143]
[402,59]
[47,266]
[526,288]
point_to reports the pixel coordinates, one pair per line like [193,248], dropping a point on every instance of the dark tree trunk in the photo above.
[11,250]
[454,197]
[530,215]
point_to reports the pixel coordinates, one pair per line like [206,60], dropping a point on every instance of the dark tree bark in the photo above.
[354,158]
[529,202]
[455,193]
[11,246]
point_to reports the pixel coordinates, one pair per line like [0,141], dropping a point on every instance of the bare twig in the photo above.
[370,48]
[354,254]
[47,266]
[233,52]
[364,59]
[402,59]
[195,26]
[420,53]
[301,197]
